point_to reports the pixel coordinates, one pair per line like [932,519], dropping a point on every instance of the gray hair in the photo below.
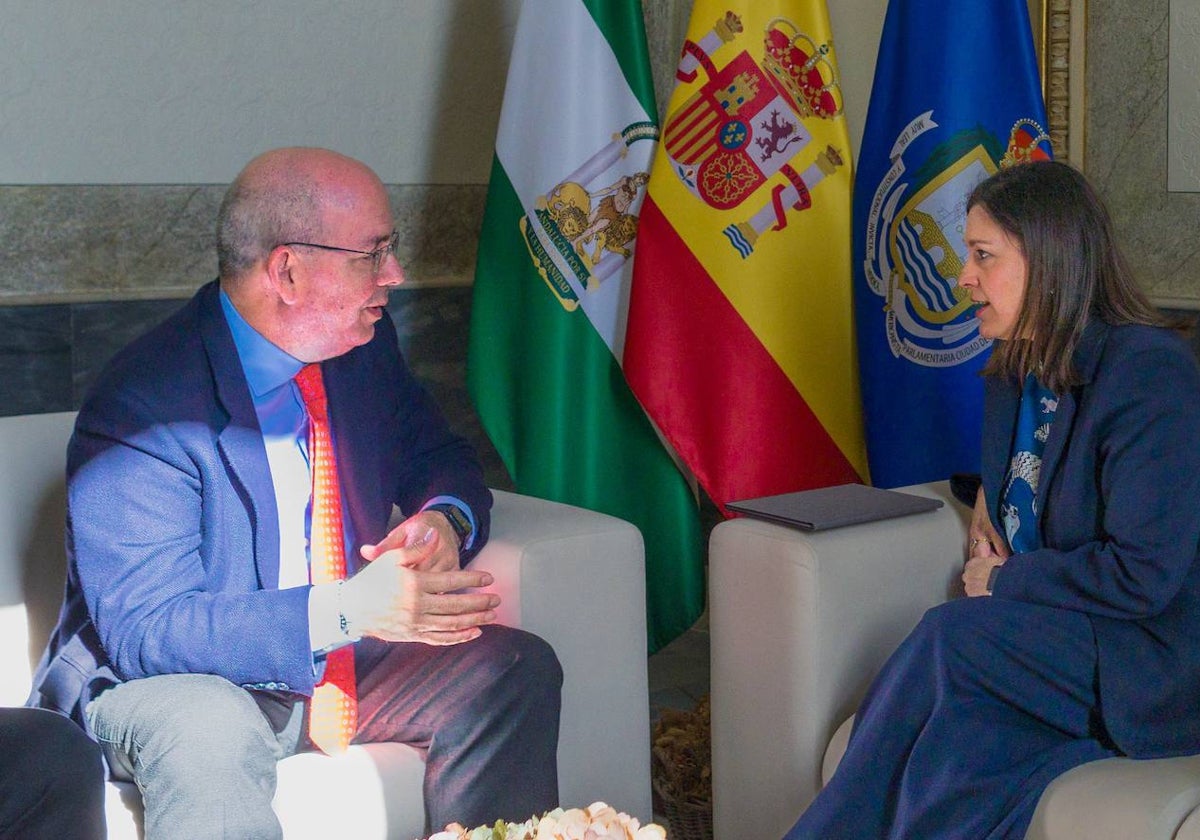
[262,210]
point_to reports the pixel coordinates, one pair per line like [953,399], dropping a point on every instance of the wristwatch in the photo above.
[458,521]
[991,581]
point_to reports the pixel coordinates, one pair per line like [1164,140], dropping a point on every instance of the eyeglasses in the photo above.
[377,256]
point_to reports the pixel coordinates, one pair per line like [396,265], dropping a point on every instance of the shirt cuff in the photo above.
[325,622]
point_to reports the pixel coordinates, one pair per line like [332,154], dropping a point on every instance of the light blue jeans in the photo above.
[201,751]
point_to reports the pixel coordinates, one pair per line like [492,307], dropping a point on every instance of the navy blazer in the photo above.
[172,529]
[1119,495]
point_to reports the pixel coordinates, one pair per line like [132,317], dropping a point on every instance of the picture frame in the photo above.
[1059,34]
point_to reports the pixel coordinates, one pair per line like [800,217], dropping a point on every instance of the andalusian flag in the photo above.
[577,132]
[956,96]
[741,342]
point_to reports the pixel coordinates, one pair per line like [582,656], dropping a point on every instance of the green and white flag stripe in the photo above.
[576,137]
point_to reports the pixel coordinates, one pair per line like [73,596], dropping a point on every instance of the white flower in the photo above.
[652,831]
[454,831]
[598,821]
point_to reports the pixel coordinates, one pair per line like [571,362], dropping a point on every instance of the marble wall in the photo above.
[1125,142]
[118,242]
[1183,98]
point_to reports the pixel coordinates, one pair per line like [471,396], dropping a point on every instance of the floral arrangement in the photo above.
[597,821]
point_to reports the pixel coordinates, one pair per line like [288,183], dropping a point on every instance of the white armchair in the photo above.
[572,576]
[799,625]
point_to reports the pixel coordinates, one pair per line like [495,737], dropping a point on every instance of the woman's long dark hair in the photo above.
[1075,270]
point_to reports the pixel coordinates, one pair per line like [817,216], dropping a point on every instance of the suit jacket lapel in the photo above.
[999,425]
[1087,357]
[240,440]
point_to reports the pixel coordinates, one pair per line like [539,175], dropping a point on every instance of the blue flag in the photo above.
[956,96]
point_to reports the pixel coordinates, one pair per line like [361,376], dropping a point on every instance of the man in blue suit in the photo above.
[191,638]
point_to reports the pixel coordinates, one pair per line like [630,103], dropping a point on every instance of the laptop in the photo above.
[834,507]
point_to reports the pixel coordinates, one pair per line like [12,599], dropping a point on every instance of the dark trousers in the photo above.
[980,708]
[485,712]
[51,778]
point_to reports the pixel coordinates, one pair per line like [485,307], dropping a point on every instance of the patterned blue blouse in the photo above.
[1018,503]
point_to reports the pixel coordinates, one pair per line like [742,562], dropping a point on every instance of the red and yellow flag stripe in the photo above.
[740,342]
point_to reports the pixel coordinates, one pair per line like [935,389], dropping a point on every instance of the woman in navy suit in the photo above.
[1078,639]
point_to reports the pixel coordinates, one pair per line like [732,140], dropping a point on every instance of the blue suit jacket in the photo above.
[1119,496]
[172,531]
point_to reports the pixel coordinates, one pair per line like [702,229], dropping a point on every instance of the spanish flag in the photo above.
[740,341]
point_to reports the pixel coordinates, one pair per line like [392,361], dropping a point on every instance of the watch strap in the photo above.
[991,581]
[458,520]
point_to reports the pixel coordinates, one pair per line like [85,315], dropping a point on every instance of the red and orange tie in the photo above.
[333,717]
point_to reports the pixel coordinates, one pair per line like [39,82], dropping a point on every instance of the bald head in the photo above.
[282,196]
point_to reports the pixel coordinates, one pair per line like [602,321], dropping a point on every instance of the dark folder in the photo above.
[834,507]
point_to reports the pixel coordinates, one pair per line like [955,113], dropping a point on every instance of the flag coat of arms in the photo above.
[740,342]
[578,128]
[956,96]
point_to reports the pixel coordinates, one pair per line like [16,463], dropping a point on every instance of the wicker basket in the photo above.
[686,818]
[681,771]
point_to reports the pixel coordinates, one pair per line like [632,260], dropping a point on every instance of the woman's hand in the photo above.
[985,550]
